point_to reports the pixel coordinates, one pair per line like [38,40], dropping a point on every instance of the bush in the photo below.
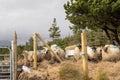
[70,72]
[101,75]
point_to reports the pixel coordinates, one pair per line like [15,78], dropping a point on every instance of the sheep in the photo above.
[92,53]
[77,52]
[29,56]
[73,51]
[70,51]
[111,53]
[99,51]
[59,51]
[71,47]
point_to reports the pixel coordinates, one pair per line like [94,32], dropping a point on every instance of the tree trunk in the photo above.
[109,36]
[116,37]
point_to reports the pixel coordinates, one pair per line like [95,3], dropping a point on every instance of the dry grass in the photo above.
[69,70]
[101,75]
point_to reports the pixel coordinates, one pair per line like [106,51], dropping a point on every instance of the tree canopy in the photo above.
[95,14]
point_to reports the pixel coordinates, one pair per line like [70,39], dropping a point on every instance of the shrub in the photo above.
[101,75]
[69,72]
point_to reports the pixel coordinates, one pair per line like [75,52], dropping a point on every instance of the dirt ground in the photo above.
[48,71]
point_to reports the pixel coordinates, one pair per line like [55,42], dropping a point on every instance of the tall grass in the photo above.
[101,75]
[70,72]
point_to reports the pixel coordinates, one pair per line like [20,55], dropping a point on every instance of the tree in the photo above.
[29,44]
[95,14]
[20,49]
[96,38]
[54,30]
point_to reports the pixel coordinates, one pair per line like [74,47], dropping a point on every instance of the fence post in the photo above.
[15,56]
[52,52]
[35,52]
[84,56]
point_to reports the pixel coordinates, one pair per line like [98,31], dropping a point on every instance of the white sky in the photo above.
[29,16]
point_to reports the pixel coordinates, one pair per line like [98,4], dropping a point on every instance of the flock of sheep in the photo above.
[95,54]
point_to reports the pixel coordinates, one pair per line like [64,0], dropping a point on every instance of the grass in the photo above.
[70,72]
[101,75]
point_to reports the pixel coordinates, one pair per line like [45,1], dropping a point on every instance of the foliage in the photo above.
[59,42]
[70,72]
[4,51]
[69,40]
[29,44]
[101,76]
[96,38]
[94,14]
[54,30]
[20,49]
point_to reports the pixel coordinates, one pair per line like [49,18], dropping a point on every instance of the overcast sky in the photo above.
[29,16]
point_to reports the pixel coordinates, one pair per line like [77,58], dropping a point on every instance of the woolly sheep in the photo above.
[57,50]
[29,55]
[111,53]
[93,54]
[73,51]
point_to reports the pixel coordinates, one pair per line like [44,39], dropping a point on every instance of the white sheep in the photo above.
[76,52]
[111,53]
[59,51]
[73,51]
[29,56]
[93,54]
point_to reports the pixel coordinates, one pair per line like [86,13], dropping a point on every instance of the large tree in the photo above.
[54,30]
[95,14]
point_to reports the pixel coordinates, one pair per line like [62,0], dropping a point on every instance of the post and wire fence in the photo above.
[84,53]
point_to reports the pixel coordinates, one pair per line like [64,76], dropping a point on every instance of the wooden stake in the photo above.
[84,56]
[52,52]
[15,56]
[35,52]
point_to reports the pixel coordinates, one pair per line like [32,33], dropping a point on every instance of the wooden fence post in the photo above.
[15,56]
[52,52]
[84,55]
[35,52]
